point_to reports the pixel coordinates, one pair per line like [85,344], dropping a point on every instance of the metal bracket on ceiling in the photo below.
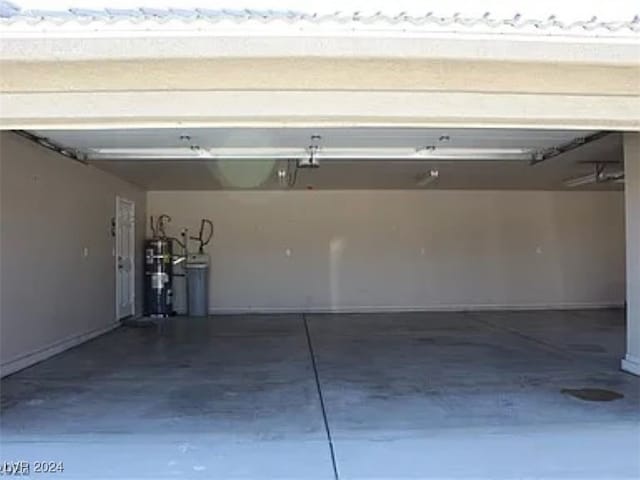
[53,146]
[312,160]
[548,153]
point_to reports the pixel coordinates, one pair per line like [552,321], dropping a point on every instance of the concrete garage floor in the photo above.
[405,395]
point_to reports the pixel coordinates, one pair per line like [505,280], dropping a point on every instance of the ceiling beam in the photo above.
[234,108]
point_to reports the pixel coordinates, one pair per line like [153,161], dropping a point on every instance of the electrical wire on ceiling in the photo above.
[292,173]
[309,162]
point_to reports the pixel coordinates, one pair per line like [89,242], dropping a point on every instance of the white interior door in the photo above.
[125,258]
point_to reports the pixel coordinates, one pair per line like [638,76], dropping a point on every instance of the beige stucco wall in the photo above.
[52,296]
[358,250]
[274,74]
[320,74]
[355,90]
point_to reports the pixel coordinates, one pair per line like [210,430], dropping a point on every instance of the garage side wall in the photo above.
[407,250]
[52,296]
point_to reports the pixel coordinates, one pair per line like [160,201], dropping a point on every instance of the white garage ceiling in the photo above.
[300,137]
[120,152]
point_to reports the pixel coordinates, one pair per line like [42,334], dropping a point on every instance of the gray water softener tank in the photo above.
[197,270]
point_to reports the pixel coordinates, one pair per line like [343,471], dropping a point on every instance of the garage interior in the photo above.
[383,302]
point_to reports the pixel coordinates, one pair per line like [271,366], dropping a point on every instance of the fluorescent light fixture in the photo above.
[195,153]
[427,153]
[145,153]
[580,181]
[428,178]
[445,153]
[615,177]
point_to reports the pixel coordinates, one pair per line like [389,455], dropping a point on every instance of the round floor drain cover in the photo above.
[593,394]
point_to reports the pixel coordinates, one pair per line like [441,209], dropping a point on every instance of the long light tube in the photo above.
[439,153]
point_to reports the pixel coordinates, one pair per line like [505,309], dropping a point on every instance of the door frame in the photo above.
[132,284]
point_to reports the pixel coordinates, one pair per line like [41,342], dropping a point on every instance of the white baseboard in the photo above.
[421,308]
[33,357]
[631,364]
